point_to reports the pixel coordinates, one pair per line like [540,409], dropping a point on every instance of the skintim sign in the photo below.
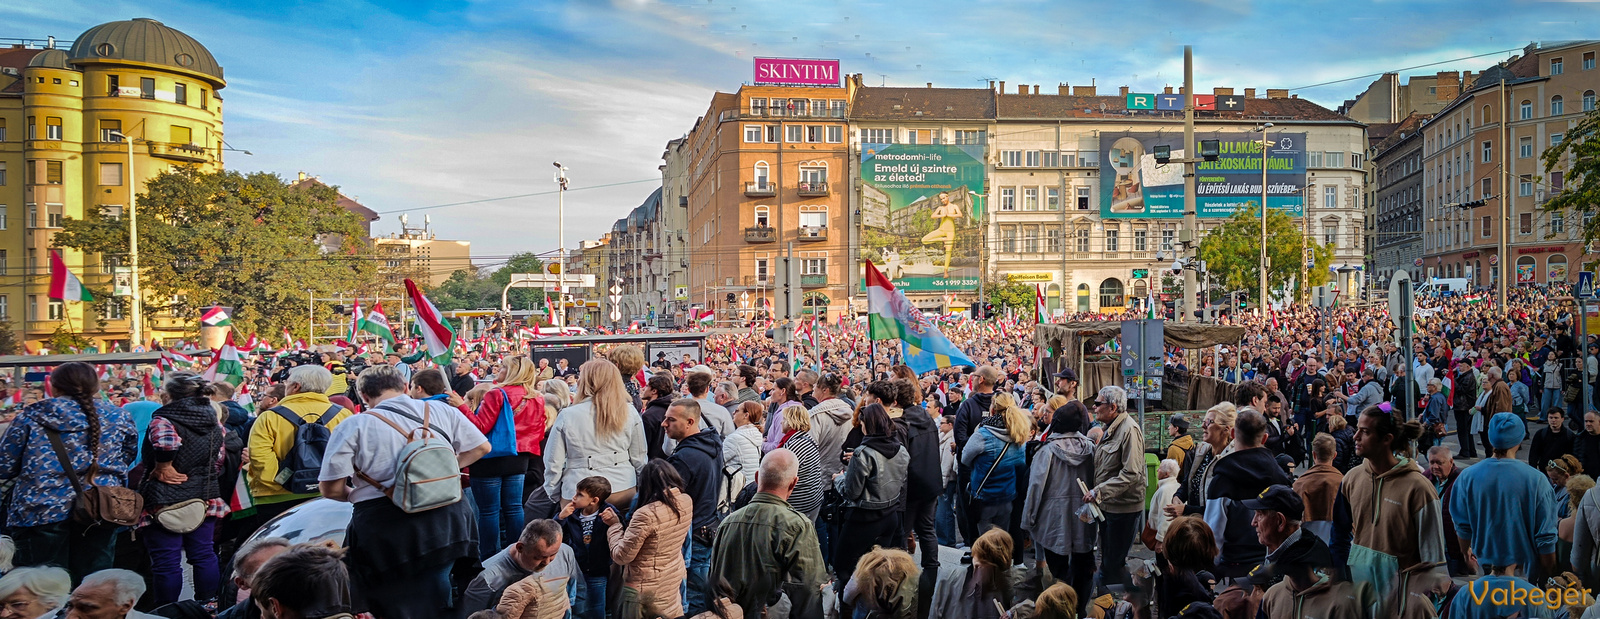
[797,72]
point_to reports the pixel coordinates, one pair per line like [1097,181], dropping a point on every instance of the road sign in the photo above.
[1400,295]
[1323,296]
[1585,284]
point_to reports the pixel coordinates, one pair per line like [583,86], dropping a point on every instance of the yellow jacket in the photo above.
[341,378]
[272,437]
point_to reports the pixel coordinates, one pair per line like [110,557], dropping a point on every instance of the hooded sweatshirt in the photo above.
[970,414]
[921,438]
[1394,522]
[1240,476]
[830,423]
[1324,600]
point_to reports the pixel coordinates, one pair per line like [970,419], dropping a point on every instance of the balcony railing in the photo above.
[813,281]
[181,152]
[813,233]
[760,190]
[813,188]
[760,234]
[757,280]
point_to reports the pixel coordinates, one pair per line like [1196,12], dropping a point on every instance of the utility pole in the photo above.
[1266,262]
[788,304]
[136,320]
[1505,198]
[1190,216]
[561,251]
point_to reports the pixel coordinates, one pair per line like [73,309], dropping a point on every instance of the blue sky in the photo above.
[414,104]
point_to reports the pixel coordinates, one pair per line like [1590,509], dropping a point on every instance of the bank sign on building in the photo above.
[1134,185]
[921,213]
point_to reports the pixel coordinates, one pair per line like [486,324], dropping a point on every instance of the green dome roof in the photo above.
[146,40]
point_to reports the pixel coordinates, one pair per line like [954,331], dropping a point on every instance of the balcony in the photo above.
[757,280]
[813,189]
[813,233]
[189,153]
[760,234]
[760,189]
[813,281]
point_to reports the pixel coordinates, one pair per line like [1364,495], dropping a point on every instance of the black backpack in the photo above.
[299,470]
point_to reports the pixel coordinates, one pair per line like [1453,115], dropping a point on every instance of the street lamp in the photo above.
[136,320]
[1263,127]
[561,240]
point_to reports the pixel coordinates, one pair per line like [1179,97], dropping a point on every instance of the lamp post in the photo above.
[1264,263]
[136,319]
[561,241]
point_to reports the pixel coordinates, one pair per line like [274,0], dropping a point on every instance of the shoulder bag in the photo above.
[96,505]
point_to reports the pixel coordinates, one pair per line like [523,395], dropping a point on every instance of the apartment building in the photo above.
[1396,189]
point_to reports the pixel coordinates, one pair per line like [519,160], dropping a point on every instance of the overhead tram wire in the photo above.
[1420,66]
[523,195]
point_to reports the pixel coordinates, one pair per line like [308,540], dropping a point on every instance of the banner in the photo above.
[921,209]
[1133,185]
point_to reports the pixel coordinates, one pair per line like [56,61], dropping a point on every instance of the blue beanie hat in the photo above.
[1506,431]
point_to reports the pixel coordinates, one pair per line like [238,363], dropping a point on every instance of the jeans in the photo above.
[986,515]
[919,518]
[420,596]
[500,518]
[697,597]
[1548,398]
[944,519]
[167,552]
[81,550]
[1116,537]
[591,602]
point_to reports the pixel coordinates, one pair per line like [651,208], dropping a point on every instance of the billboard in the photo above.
[1133,185]
[797,71]
[921,208]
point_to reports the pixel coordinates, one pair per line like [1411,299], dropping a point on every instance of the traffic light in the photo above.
[1242,301]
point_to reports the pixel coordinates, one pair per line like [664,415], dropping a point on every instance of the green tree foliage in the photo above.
[8,339]
[480,288]
[246,241]
[1579,155]
[64,342]
[1232,253]
[1013,294]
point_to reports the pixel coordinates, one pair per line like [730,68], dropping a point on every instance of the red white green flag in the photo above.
[63,284]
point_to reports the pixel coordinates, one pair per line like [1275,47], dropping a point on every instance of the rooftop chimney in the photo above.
[1277,93]
[991,84]
[1083,91]
[930,84]
[1249,93]
[1035,89]
[1022,89]
[1002,86]
[1062,89]
[1167,90]
[1123,91]
[1221,91]
[302,176]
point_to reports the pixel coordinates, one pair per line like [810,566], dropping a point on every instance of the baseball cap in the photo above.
[1067,374]
[701,369]
[1278,498]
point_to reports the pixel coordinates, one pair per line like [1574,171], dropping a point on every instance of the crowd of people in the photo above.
[1343,479]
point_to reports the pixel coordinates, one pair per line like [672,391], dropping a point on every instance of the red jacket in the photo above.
[529,419]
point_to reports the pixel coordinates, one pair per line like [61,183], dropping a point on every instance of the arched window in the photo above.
[1588,100]
[1556,107]
[763,216]
[1525,111]
[1111,293]
[1140,289]
[1527,270]
[763,173]
[1486,115]
[1556,268]
[1083,297]
[1052,297]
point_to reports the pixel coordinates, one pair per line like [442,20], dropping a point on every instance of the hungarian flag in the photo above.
[377,323]
[890,316]
[225,364]
[216,316]
[706,317]
[1039,311]
[251,343]
[63,284]
[356,319]
[436,332]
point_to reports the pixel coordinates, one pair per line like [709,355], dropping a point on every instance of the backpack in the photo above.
[426,475]
[732,483]
[299,470]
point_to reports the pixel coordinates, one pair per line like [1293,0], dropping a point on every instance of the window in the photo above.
[1524,147]
[180,94]
[1558,224]
[1141,240]
[799,107]
[1083,198]
[836,108]
[1330,197]
[1052,239]
[1555,139]
[1166,239]
[1052,199]
[819,108]
[772,134]
[2,129]
[53,215]
[1330,232]
[1030,239]
[1588,60]
[110,131]
[2,176]
[920,136]
[1033,159]
[1556,106]
[112,212]
[1555,66]
[964,136]
[33,307]
[52,128]
[813,174]
[1488,152]
[814,266]
[111,310]
[778,107]
[52,172]
[1486,115]
[1488,188]
[835,134]
[1111,293]
[1333,158]
[795,133]
[762,174]
[55,310]
[1112,242]
[113,85]
[1008,238]
[3,224]
[1030,198]
[33,222]
[814,134]
[1485,226]
[1313,158]
[147,88]
[1525,185]
[752,133]
[761,269]
[1525,223]
[111,173]
[1556,179]
[1008,198]
[880,136]
[1588,100]
[1083,240]
[5,307]
[1069,160]
[758,106]
[817,218]
[1052,159]
[1011,158]
[1525,111]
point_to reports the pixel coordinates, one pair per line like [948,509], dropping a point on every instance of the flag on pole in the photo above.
[225,365]
[216,316]
[356,319]
[377,323]
[63,284]
[251,343]
[706,317]
[891,316]
[439,337]
[1039,311]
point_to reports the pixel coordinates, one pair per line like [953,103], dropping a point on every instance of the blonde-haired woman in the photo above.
[796,437]
[514,444]
[885,583]
[600,434]
[557,396]
[1216,440]
[995,455]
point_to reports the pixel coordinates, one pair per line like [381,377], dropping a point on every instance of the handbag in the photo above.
[96,505]
[182,517]
[503,436]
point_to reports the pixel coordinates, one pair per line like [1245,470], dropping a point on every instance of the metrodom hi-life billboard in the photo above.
[1133,185]
[921,210]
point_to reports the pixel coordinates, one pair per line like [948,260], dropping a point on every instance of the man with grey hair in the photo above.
[249,558]
[768,548]
[272,438]
[34,591]
[538,552]
[108,594]
[726,394]
[1120,479]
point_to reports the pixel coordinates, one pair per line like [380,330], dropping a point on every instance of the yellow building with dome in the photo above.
[63,115]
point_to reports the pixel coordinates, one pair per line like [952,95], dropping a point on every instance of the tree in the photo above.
[64,342]
[480,288]
[246,241]
[1013,294]
[8,339]
[1233,253]
[1579,193]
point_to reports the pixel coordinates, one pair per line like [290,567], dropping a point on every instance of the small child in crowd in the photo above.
[582,530]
